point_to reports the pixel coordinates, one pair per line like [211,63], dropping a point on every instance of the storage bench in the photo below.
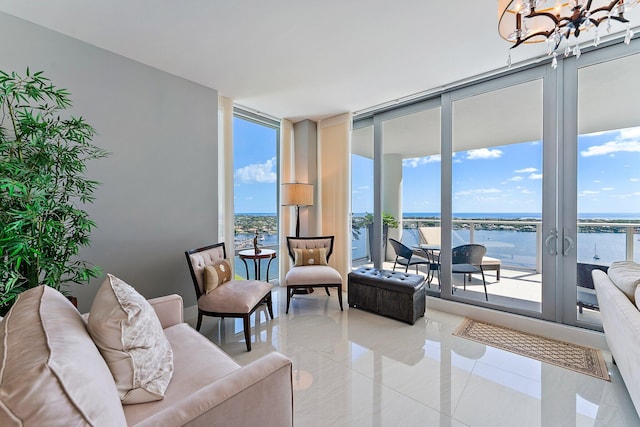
[397,295]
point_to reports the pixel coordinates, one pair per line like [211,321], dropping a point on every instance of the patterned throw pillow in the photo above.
[316,256]
[127,331]
[216,274]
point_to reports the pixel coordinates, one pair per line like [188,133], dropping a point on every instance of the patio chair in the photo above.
[467,260]
[405,256]
[586,294]
[431,236]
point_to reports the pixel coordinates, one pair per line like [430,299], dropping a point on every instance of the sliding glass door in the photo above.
[602,142]
[538,166]
[501,197]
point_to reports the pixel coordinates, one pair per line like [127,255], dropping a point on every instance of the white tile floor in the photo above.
[355,368]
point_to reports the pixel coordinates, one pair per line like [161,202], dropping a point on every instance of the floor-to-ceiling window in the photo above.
[361,194]
[255,154]
[497,189]
[538,166]
[604,142]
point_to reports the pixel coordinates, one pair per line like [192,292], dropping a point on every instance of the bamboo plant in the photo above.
[43,187]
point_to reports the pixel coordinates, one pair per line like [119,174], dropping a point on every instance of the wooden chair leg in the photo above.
[247,331]
[326,288]
[289,292]
[270,305]
[340,296]
[199,321]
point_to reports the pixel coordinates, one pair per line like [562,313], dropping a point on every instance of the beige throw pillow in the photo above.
[317,256]
[51,371]
[216,274]
[127,331]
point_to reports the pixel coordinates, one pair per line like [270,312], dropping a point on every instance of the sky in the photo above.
[255,167]
[501,179]
[508,179]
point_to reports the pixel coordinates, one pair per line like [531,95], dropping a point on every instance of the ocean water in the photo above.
[514,248]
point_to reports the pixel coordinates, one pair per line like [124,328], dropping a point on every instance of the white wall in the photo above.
[159,192]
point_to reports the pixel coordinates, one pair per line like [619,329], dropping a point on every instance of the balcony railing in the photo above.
[519,243]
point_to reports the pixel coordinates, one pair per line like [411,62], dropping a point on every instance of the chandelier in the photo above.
[555,22]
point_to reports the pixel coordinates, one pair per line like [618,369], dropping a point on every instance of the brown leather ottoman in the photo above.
[393,294]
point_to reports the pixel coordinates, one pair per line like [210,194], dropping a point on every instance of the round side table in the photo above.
[250,254]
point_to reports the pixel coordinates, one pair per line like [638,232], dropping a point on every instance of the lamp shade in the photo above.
[295,194]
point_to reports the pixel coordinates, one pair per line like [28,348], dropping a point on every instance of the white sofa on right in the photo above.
[619,297]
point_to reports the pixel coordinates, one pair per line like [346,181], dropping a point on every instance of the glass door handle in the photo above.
[553,235]
[567,243]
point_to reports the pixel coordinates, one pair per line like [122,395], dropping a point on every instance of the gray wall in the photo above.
[158,195]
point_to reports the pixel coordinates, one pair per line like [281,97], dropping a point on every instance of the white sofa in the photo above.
[619,297]
[52,374]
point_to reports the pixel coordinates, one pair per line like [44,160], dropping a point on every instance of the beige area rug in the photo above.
[585,360]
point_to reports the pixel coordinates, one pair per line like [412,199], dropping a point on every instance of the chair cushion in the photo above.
[200,260]
[310,256]
[626,276]
[216,274]
[487,260]
[312,275]
[51,371]
[128,333]
[235,296]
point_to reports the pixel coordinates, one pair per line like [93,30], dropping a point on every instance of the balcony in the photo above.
[519,246]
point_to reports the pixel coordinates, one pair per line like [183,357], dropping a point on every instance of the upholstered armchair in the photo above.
[311,266]
[219,294]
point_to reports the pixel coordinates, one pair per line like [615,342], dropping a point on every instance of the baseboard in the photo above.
[530,325]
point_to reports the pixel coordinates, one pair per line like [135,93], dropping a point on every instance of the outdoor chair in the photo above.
[405,256]
[586,294]
[467,260]
[219,294]
[431,236]
[311,268]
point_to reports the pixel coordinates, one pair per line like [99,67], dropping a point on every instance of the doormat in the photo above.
[581,359]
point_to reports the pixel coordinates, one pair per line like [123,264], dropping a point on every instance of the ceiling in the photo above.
[293,59]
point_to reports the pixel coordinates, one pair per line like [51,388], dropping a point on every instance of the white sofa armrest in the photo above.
[258,394]
[169,309]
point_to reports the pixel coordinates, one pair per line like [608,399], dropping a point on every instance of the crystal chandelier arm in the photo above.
[556,19]
[607,9]
[518,42]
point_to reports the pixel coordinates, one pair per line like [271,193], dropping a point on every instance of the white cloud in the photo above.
[362,189]
[478,191]
[526,170]
[608,189]
[630,133]
[516,179]
[419,161]
[483,153]
[525,191]
[588,193]
[258,173]
[535,176]
[626,142]
[634,179]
